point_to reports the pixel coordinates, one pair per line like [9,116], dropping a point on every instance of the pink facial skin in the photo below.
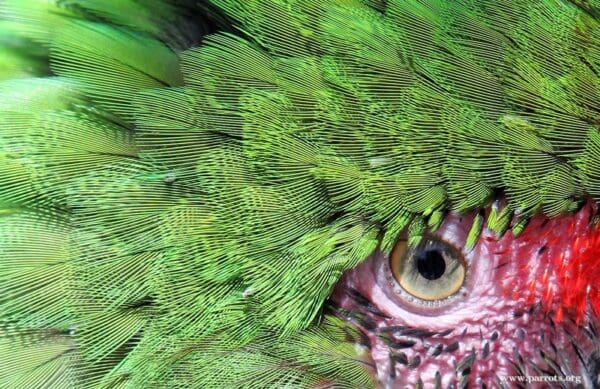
[510,317]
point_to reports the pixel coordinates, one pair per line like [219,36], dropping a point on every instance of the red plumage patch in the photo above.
[564,274]
[579,275]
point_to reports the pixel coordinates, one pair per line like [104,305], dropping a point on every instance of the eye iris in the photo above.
[431,264]
[431,271]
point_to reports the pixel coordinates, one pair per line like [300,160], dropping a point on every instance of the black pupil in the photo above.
[431,264]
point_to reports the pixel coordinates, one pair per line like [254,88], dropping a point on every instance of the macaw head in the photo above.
[299,194]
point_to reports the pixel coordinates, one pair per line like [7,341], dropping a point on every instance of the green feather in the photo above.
[474,232]
[176,209]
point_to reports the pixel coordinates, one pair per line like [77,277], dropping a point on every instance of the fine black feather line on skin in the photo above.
[399,357]
[359,318]
[437,350]
[445,332]
[542,250]
[363,301]
[397,344]
[592,328]
[417,333]
[466,362]
[486,350]
[501,265]
[438,380]
[416,361]
[392,328]
[451,347]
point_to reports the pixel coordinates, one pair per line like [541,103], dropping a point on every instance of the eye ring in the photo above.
[431,273]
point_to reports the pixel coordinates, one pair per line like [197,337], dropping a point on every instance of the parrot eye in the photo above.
[430,272]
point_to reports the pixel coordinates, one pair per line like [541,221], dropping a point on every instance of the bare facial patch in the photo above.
[508,317]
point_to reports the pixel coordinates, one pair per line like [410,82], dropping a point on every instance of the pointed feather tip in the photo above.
[499,219]
[475,231]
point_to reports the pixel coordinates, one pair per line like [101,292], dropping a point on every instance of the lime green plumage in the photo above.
[177,207]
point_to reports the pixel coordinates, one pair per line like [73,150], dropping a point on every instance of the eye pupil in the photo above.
[431,264]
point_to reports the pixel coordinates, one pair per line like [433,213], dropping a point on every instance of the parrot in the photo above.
[299,194]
